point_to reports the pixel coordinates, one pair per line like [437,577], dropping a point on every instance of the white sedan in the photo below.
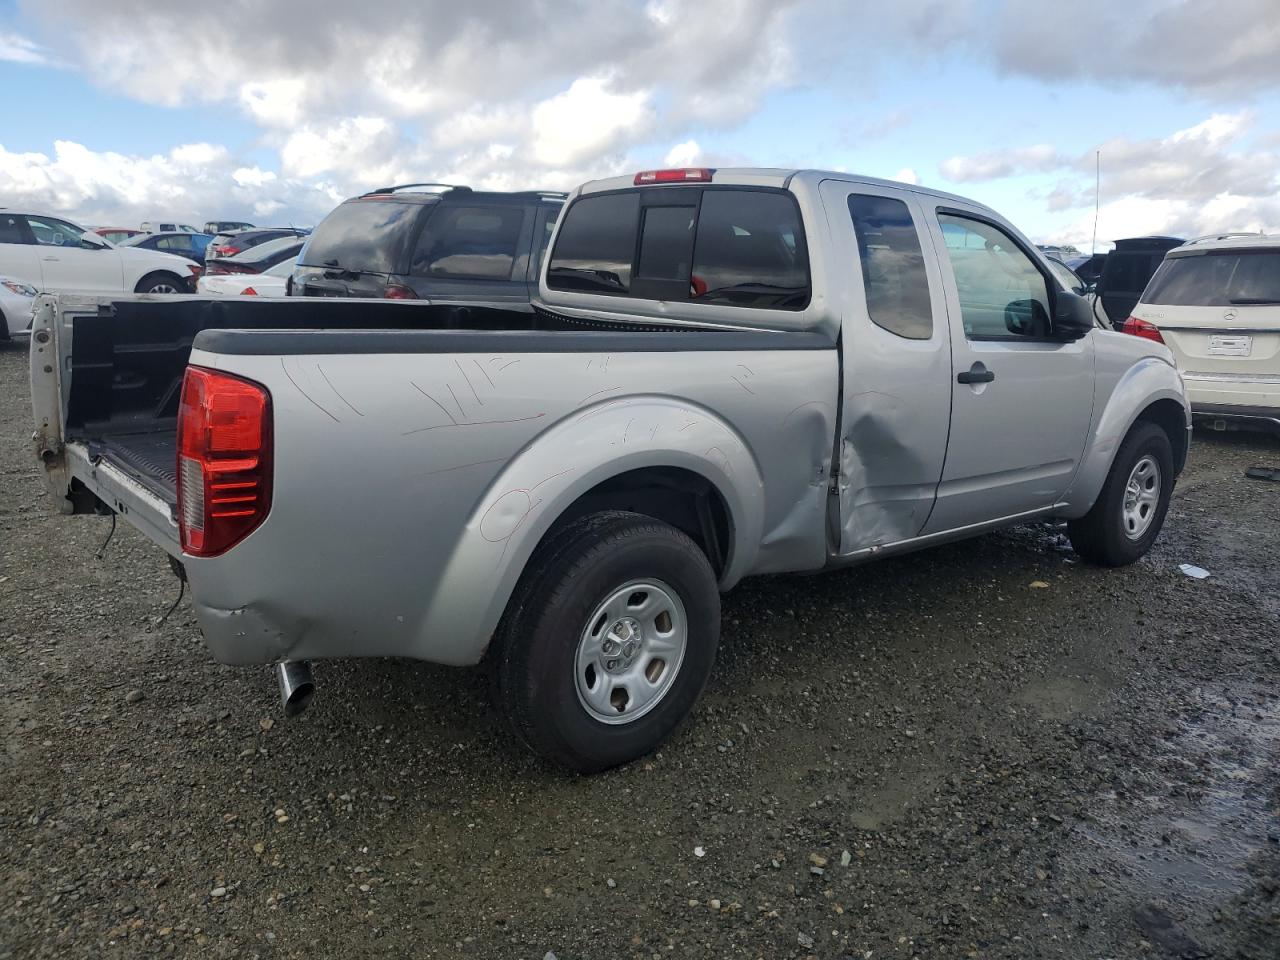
[57,256]
[269,283]
[16,298]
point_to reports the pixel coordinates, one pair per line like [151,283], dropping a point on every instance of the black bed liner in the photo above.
[150,458]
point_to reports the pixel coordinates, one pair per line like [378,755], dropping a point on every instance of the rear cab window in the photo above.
[367,236]
[727,245]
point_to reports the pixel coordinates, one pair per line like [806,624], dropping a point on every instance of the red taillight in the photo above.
[196,271]
[681,175]
[248,292]
[228,251]
[224,460]
[214,267]
[1141,328]
[397,291]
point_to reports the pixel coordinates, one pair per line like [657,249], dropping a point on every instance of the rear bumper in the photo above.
[1222,416]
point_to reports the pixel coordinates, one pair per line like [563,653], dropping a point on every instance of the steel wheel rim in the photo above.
[630,652]
[163,288]
[1141,497]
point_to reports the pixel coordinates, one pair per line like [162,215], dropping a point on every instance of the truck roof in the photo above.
[782,177]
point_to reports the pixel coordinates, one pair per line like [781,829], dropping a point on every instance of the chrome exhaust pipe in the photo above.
[297,686]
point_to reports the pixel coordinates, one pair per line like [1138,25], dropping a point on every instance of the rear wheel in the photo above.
[608,641]
[161,282]
[1129,512]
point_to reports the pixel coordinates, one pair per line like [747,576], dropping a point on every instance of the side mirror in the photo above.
[91,242]
[1072,317]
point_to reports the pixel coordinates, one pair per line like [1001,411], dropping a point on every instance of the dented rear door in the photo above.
[896,404]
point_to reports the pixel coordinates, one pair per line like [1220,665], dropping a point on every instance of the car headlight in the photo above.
[21,289]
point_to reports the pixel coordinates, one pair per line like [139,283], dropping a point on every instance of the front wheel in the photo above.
[608,641]
[1129,512]
[160,283]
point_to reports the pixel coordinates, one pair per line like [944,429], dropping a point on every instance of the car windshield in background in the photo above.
[1217,279]
[264,251]
[364,236]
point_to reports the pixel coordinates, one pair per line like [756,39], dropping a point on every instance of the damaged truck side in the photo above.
[726,373]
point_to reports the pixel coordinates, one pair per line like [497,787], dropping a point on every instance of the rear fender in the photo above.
[1145,382]
[560,465]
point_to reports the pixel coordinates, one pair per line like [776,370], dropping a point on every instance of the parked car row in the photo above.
[53,254]
[449,243]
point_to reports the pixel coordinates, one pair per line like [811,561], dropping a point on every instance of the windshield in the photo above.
[365,236]
[1217,279]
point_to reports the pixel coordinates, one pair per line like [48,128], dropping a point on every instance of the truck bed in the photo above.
[123,360]
[122,379]
[149,458]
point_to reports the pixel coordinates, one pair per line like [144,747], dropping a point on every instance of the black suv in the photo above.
[436,241]
[1126,271]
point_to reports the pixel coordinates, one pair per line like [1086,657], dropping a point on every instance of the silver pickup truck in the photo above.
[727,373]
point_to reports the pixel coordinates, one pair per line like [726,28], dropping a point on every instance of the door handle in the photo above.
[978,373]
[49,259]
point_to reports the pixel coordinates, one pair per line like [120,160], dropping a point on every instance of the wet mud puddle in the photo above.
[1191,825]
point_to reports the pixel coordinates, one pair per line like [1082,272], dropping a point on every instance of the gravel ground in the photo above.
[986,750]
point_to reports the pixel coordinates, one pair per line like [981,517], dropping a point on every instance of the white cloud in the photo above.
[994,164]
[550,94]
[1221,49]
[687,154]
[191,181]
[587,119]
[274,102]
[906,175]
[366,150]
[252,176]
[18,49]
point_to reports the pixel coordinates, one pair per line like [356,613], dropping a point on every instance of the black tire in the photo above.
[161,278]
[534,652]
[1100,536]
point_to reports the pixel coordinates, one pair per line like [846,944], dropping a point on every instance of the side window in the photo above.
[174,243]
[893,271]
[749,251]
[595,247]
[473,243]
[1003,295]
[11,229]
[54,233]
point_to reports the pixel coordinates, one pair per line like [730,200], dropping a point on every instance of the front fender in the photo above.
[1143,383]
[556,468]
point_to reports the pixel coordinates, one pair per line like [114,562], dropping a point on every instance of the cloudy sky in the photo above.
[274,110]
